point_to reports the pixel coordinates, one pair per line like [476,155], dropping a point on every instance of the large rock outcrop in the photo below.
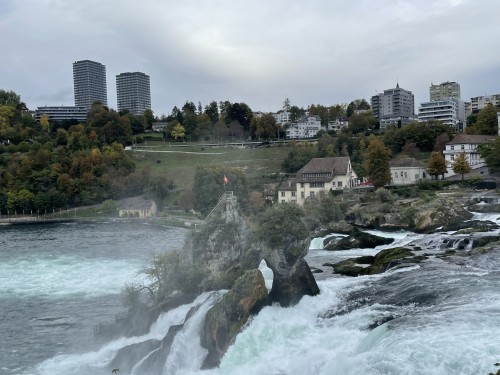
[414,214]
[225,319]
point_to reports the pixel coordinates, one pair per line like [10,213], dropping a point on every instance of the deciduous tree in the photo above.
[377,162]
[177,131]
[461,165]
[487,122]
[436,166]
[491,154]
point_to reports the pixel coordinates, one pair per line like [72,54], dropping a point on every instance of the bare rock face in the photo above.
[292,276]
[224,320]
[288,290]
[218,249]
[438,213]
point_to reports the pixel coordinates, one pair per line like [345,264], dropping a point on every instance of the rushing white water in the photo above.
[437,318]
[56,276]
[96,362]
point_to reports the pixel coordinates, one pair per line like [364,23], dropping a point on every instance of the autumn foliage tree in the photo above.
[461,165]
[436,166]
[377,162]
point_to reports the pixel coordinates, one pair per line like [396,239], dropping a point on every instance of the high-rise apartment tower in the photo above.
[133,92]
[445,90]
[394,107]
[89,80]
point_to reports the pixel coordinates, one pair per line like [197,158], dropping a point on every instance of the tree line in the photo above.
[46,166]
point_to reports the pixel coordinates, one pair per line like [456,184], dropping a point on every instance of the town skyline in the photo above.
[259,54]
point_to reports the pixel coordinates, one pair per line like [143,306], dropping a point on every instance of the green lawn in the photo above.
[179,163]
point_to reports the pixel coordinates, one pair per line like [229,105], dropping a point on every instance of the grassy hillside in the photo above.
[179,163]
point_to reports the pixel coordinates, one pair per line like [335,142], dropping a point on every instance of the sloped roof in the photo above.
[289,185]
[304,118]
[406,163]
[136,203]
[337,165]
[471,139]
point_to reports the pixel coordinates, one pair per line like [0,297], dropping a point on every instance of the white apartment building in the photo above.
[479,102]
[282,117]
[449,111]
[61,113]
[338,124]
[467,144]
[307,127]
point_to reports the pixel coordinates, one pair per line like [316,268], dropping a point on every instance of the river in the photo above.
[438,317]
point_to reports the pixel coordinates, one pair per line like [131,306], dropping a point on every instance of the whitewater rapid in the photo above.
[436,318]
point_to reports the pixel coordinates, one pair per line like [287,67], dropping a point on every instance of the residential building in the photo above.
[133,92]
[137,207]
[445,90]
[317,178]
[479,102]
[394,107]
[287,192]
[307,127]
[339,123]
[89,81]
[467,144]
[407,171]
[159,126]
[282,117]
[449,111]
[498,116]
[61,113]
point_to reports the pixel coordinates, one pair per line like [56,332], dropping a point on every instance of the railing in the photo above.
[228,196]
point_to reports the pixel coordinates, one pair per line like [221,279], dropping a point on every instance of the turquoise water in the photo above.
[438,318]
[58,281]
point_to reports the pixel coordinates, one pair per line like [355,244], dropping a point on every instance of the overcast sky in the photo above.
[256,51]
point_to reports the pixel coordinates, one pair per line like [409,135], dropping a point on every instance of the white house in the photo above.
[338,124]
[307,127]
[467,144]
[406,171]
[137,207]
[316,178]
[159,126]
[282,117]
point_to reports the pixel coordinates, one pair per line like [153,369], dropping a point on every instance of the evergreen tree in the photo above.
[461,165]
[377,162]
[437,164]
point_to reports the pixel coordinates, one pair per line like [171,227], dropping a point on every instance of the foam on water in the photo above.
[57,276]
[96,362]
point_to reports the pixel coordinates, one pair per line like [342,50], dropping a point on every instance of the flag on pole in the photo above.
[226,181]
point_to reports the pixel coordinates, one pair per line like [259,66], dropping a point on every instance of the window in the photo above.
[282,201]
[311,194]
[317,184]
[396,174]
[302,184]
[406,176]
[452,147]
[339,184]
[302,194]
[294,193]
[282,193]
